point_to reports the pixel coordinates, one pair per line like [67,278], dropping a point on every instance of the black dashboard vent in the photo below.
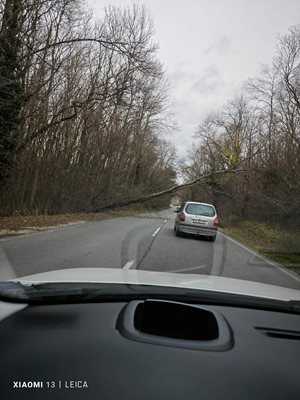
[175,320]
[175,324]
[279,333]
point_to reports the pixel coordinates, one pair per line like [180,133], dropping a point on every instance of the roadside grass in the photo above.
[270,240]
[19,224]
[289,259]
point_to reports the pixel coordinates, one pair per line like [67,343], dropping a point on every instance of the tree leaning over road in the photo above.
[91,126]
[84,116]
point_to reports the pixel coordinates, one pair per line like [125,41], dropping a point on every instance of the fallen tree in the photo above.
[172,189]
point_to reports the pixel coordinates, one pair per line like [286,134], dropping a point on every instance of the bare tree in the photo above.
[93,119]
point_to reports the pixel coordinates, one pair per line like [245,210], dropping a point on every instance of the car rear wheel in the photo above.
[177,231]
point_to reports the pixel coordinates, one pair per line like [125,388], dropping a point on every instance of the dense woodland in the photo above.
[84,120]
[83,108]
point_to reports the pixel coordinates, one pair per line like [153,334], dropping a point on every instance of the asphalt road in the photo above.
[145,242]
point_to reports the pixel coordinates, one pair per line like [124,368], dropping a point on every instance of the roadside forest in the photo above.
[83,108]
[84,121]
[255,140]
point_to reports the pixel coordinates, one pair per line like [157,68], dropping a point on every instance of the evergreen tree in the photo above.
[11,91]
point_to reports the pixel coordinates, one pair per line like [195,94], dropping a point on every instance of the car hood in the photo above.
[187,281]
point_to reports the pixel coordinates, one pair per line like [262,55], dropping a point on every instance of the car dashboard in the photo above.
[150,349]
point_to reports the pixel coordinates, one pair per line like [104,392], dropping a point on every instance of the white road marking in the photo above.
[9,309]
[129,264]
[287,272]
[261,257]
[189,269]
[165,221]
[6,271]
[156,232]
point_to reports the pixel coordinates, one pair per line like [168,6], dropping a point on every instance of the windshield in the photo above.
[144,139]
[200,209]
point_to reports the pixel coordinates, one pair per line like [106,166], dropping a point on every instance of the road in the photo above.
[145,242]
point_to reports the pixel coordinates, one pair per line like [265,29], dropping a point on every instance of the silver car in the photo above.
[197,219]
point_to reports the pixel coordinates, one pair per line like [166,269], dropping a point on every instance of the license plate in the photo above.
[199,221]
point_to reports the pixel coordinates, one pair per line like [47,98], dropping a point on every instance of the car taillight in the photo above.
[182,216]
[216,221]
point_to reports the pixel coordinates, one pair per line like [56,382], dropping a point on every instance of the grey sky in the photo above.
[210,47]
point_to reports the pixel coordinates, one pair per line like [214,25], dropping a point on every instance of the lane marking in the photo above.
[129,264]
[287,272]
[189,269]
[261,257]
[165,221]
[10,309]
[7,272]
[156,232]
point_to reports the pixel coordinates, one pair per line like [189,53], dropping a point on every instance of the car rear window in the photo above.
[200,209]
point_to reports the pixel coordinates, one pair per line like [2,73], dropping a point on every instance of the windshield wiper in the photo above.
[62,293]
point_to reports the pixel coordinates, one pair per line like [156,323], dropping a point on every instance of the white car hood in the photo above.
[188,281]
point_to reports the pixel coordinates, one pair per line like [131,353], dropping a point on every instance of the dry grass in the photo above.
[19,224]
[275,243]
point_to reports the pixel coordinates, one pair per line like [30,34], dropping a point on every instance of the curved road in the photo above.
[140,242]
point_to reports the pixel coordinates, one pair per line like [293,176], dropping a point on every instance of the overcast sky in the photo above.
[210,47]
